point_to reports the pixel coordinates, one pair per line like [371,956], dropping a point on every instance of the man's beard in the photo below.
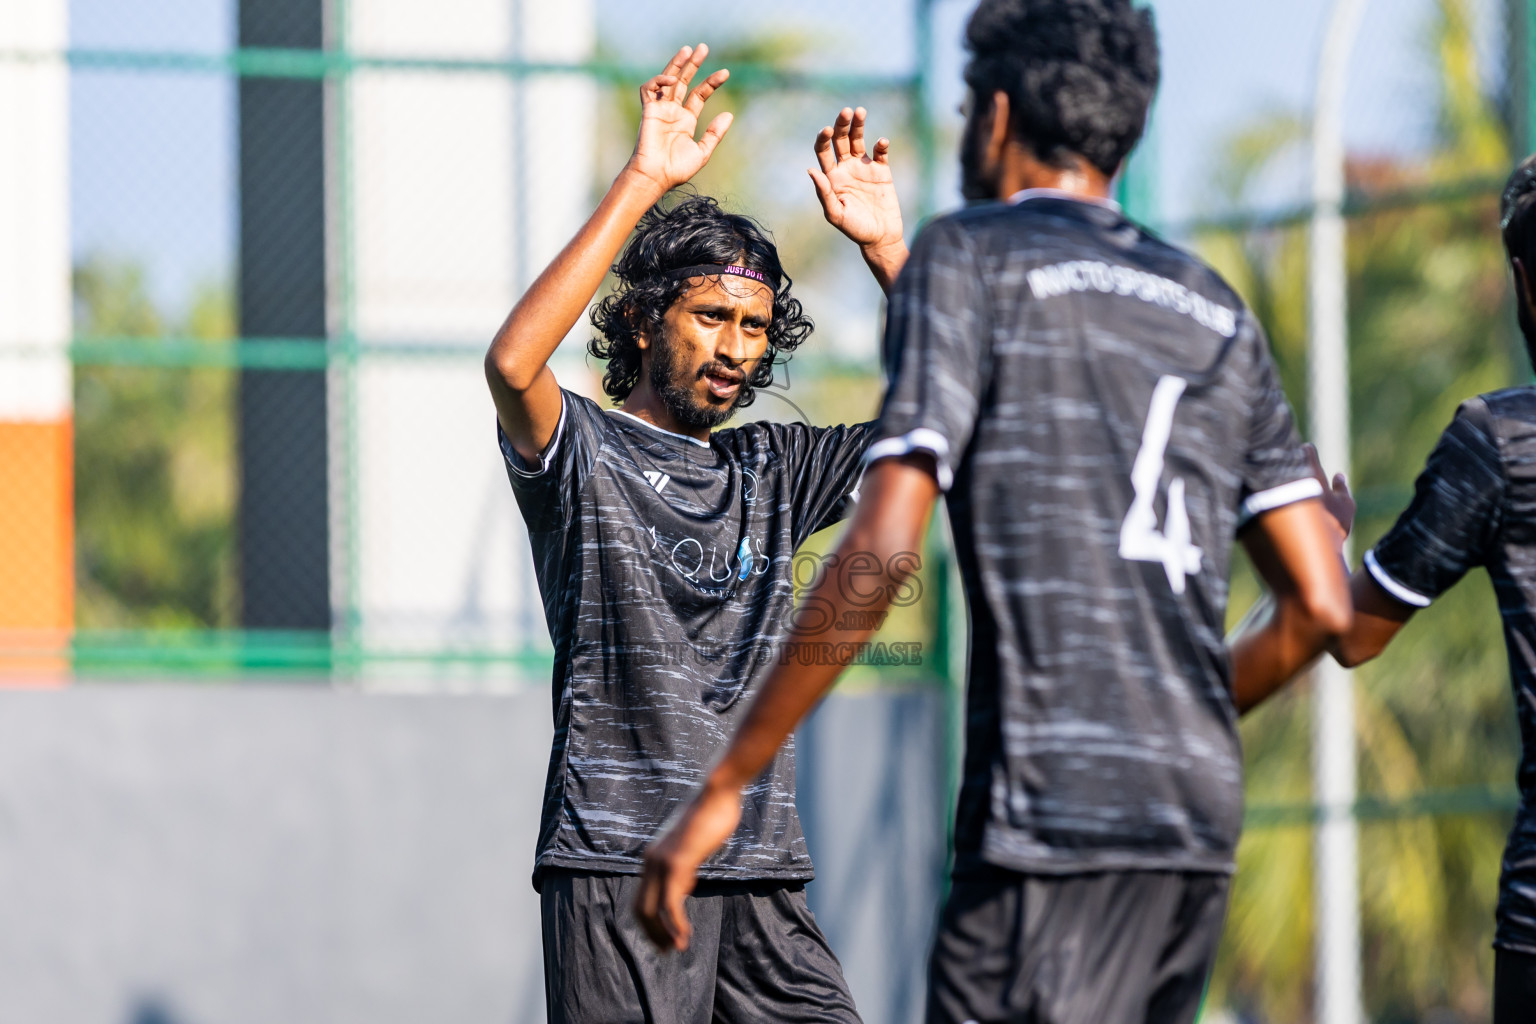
[977,181]
[673,381]
[1527,323]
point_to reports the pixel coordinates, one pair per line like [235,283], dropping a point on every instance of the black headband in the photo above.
[718,270]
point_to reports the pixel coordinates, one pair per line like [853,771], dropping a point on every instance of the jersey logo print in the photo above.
[657,479]
[1140,539]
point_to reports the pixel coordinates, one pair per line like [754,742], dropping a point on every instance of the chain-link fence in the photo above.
[251,252]
[292,227]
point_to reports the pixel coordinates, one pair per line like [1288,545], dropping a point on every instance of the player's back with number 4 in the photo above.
[1106,414]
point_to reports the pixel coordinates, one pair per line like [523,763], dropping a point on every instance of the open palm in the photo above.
[855,186]
[666,151]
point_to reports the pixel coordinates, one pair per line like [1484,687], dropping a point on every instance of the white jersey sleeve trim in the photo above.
[922,439]
[515,461]
[1285,494]
[1391,585]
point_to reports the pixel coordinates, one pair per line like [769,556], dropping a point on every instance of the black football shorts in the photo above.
[1131,947]
[756,956]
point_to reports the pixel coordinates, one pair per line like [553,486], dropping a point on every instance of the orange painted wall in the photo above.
[37,564]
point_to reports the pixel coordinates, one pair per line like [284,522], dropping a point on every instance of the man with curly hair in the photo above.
[1104,417]
[664,553]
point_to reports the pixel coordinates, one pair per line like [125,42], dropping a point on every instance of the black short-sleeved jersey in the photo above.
[665,565]
[1103,411]
[1475,505]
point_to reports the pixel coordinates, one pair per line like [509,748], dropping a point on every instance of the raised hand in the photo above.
[857,192]
[666,152]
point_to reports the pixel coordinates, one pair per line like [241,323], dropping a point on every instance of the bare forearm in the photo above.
[886,264]
[1265,658]
[553,305]
[1378,618]
[893,512]
[892,517]
[785,699]
[1364,642]
[1295,549]
[864,575]
[804,673]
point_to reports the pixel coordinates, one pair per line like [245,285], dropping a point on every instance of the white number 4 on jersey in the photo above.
[1140,539]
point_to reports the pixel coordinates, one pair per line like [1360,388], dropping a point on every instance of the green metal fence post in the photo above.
[1137,188]
[282,521]
[1138,182]
[349,633]
[1527,71]
[922,109]
[947,656]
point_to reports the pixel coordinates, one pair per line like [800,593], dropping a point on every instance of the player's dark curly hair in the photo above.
[1517,223]
[1080,74]
[1517,213]
[692,231]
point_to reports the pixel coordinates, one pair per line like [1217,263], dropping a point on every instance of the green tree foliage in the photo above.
[1431,324]
[154,464]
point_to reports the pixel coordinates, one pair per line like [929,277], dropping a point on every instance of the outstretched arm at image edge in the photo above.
[1295,549]
[875,557]
[1378,618]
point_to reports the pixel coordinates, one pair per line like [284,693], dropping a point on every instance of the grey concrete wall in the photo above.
[872,796]
[222,855]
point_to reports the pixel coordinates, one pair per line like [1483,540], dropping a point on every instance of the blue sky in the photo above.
[153,154]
